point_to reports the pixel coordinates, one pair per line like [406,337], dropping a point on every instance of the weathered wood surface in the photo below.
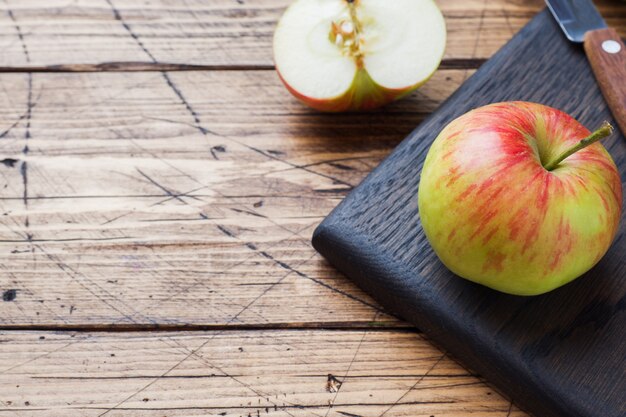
[217,33]
[138,199]
[102,34]
[141,208]
[232,373]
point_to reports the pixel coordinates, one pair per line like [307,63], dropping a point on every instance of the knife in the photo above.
[605,50]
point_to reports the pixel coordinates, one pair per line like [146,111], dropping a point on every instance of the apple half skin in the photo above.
[494,215]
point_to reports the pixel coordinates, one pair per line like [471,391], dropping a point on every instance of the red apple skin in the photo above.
[363,94]
[494,215]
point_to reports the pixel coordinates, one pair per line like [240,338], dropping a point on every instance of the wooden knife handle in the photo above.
[607,54]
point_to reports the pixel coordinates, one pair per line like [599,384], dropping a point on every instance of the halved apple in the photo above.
[338,55]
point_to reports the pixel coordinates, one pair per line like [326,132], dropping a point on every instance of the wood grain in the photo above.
[179,190]
[609,69]
[558,354]
[219,34]
[234,182]
[263,373]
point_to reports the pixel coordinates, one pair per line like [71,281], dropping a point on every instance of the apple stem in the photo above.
[605,130]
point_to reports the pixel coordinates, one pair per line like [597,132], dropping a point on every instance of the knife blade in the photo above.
[582,23]
[576,17]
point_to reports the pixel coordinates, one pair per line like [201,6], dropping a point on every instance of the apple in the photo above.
[337,55]
[519,197]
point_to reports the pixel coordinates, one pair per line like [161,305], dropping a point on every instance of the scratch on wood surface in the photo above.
[198,123]
[195,351]
[356,352]
[175,195]
[29,109]
[300,167]
[183,194]
[159,119]
[3,371]
[108,221]
[414,385]
[267,154]
[24,175]
[335,162]
[119,18]
[82,280]
[507,19]
[200,283]
[250,212]
[13,125]
[200,218]
[190,109]
[226,231]
[27,291]
[322,283]
[260,394]
[19,33]
[164,74]
[192,178]
[25,150]
[286,266]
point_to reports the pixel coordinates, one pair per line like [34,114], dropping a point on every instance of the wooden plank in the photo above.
[181,200]
[217,33]
[269,373]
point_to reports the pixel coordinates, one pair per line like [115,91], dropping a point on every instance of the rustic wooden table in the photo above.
[159,188]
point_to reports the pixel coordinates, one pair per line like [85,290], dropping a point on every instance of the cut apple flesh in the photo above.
[340,54]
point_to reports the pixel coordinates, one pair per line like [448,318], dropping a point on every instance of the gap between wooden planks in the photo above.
[113,35]
[120,35]
[98,34]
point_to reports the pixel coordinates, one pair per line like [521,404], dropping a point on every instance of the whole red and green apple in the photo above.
[337,55]
[519,197]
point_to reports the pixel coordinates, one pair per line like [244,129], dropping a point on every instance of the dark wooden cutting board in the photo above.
[562,354]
